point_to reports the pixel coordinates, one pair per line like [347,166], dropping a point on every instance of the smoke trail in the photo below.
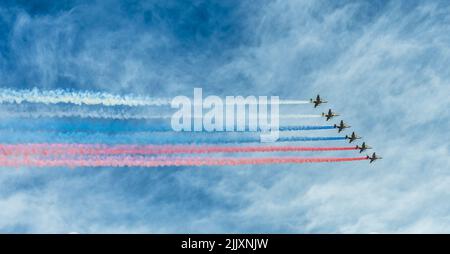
[76,97]
[80,125]
[83,111]
[149,137]
[103,114]
[111,125]
[295,116]
[291,139]
[284,102]
[13,137]
[293,102]
[90,98]
[62,111]
[100,149]
[306,128]
[141,161]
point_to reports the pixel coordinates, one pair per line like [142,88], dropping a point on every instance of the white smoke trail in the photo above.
[293,102]
[84,111]
[105,114]
[295,116]
[79,97]
[100,113]
[90,98]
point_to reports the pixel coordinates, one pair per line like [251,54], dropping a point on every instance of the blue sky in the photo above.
[382,64]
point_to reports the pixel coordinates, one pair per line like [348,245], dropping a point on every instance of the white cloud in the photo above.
[386,71]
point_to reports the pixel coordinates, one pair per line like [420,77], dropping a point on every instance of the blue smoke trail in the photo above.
[291,139]
[74,124]
[107,125]
[305,128]
[14,137]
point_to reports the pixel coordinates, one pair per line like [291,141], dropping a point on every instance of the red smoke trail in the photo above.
[97,149]
[140,161]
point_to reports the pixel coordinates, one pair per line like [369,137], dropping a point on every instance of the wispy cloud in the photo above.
[383,65]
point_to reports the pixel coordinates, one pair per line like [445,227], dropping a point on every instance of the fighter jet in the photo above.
[352,138]
[341,126]
[373,158]
[363,147]
[318,101]
[329,115]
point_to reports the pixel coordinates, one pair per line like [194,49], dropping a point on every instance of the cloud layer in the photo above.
[383,66]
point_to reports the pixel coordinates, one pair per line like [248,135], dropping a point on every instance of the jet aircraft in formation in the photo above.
[330,114]
[341,126]
[373,158]
[363,147]
[318,101]
[352,137]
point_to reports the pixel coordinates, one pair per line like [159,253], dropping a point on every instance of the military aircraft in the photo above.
[363,147]
[373,158]
[352,138]
[318,101]
[341,126]
[329,115]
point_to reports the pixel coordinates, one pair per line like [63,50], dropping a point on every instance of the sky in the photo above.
[382,64]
